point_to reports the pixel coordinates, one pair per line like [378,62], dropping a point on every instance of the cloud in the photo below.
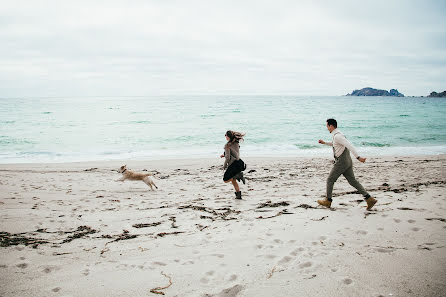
[59,48]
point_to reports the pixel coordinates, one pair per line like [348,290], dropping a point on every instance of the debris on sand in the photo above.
[162,234]
[439,219]
[124,236]
[146,225]
[157,290]
[284,211]
[270,204]
[8,239]
[174,220]
[270,274]
[91,169]
[321,219]
[201,227]
[217,214]
[81,231]
[306,206]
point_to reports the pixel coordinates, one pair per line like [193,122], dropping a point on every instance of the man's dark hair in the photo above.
[332,122]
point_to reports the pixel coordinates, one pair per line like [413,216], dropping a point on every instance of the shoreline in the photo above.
[257,153]
[196,160]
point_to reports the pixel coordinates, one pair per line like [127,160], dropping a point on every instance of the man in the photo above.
[343,165]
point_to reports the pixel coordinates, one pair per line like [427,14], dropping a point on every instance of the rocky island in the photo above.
[435,94]
[375,92]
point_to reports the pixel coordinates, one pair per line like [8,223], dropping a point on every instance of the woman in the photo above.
[233,164]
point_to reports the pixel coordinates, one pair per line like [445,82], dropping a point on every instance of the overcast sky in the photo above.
[139,48]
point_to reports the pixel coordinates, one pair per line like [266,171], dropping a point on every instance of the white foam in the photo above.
[209,152]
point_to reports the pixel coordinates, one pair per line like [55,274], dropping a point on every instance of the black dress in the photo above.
[233,163]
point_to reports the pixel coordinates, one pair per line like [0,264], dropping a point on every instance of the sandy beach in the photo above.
[72,230]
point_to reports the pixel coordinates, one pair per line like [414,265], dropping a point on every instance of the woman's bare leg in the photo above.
[235,184]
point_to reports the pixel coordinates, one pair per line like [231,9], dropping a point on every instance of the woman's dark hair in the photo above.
[332,122]
[234,136]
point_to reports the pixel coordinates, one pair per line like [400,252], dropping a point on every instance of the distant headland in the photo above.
[435,94]
[375,92]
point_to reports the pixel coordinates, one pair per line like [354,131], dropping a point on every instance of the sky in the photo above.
[151,48]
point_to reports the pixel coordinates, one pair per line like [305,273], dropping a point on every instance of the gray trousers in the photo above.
[344,165]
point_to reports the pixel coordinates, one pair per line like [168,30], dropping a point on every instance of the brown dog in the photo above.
[130,175]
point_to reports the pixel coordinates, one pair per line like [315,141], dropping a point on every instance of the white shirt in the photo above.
[339,144]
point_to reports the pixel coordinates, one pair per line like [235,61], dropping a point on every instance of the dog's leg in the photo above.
[153,184]
[146,180]
[121,179]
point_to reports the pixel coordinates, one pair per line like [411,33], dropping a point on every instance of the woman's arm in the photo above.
[227,156]
[235,150]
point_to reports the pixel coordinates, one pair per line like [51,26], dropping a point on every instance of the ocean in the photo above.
[177,127]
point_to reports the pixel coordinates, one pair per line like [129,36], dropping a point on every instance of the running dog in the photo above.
[130,175]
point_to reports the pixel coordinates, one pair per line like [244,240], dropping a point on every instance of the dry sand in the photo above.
[72,230]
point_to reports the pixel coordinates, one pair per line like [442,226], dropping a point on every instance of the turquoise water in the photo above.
[84,129]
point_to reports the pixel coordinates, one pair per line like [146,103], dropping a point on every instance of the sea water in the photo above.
[109,128]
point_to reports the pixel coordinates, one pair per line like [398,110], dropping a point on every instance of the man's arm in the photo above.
[326,143]
[344,141]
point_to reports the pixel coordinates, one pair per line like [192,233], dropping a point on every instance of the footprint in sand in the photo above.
[362,232]
[411,221]
[230,292]
[285,259]
[383,250]
[297,251]
[55,290]
[416,229]
[48,269]
[270,256]
[347,281]
[210,273]
[305,265]
[22,265]
[232,278]
[396,220]
[204,280]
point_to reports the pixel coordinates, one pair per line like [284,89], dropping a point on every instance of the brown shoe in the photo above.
[370,202]
[325,203]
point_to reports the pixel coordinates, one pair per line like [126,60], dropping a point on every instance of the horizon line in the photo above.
[179,95]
